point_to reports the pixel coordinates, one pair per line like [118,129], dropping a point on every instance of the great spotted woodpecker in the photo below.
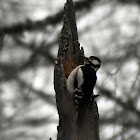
[82,80]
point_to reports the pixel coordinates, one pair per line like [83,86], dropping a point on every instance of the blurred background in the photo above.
[29,40]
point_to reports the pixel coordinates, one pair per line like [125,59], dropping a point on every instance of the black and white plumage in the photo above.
[82,80]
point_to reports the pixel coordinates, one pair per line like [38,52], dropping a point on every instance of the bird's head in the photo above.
[94,61]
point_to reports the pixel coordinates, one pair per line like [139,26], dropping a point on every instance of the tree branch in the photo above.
[127,105]
[30,25]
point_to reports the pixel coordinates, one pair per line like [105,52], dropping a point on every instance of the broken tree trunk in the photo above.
[70,56]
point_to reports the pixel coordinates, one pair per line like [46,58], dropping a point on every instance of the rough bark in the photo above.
[69,56]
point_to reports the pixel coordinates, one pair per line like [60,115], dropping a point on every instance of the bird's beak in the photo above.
[86,60]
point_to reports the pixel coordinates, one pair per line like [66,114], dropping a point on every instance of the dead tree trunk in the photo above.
[69,56]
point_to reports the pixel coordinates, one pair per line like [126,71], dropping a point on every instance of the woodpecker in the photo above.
[82,80]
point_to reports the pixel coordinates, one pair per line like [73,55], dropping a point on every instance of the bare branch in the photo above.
[30,25]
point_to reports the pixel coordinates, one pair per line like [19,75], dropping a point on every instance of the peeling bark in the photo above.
[70,56]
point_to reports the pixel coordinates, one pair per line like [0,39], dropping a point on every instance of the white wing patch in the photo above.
[80,78]
[70,80]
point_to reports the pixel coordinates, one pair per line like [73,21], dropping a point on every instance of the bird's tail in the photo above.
[82,111]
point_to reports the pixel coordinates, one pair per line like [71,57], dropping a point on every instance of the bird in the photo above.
[82,80]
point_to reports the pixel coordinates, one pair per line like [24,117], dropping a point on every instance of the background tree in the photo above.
[29,36]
